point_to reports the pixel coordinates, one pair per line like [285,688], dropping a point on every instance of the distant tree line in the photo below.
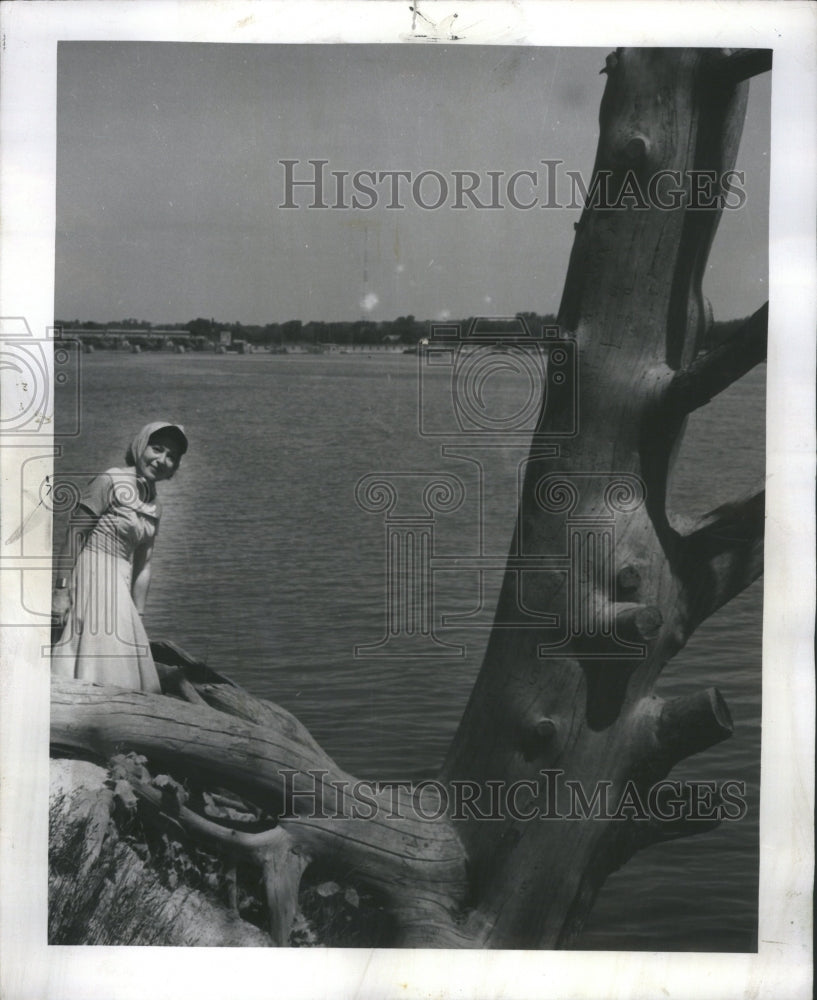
[406,330]
[403,330]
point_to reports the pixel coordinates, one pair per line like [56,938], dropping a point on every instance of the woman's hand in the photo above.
[140,581]
[60,605]
[80,525]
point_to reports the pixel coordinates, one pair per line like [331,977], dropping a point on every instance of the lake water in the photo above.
[268,568]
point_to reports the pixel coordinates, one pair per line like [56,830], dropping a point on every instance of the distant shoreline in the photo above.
[331,351]
[401,336]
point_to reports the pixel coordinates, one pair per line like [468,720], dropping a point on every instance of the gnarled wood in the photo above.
[417,863]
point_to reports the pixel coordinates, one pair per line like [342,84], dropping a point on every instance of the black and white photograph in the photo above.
[405,469]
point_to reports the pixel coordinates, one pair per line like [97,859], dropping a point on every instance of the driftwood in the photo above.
[101,890]
[578,707]
[265,755]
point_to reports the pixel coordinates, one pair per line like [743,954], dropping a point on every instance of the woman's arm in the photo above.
[140,581]
[91,505]
[80,525]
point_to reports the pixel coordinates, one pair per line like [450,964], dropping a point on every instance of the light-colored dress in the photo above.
[104,640]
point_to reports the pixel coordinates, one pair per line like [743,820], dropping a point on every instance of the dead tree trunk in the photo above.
[633,303]
[564,701]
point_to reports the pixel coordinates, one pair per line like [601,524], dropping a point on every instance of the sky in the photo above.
[170,184]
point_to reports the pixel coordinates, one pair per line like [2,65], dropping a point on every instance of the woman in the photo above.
[111,532]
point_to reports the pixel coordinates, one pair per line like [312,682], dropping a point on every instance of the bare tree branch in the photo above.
[691,723]
[723,554]
[716,370]
[741,64]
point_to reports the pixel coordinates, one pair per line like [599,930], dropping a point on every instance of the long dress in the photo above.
[104,640]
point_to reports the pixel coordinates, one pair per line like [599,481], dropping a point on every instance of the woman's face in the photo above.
[160,459]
